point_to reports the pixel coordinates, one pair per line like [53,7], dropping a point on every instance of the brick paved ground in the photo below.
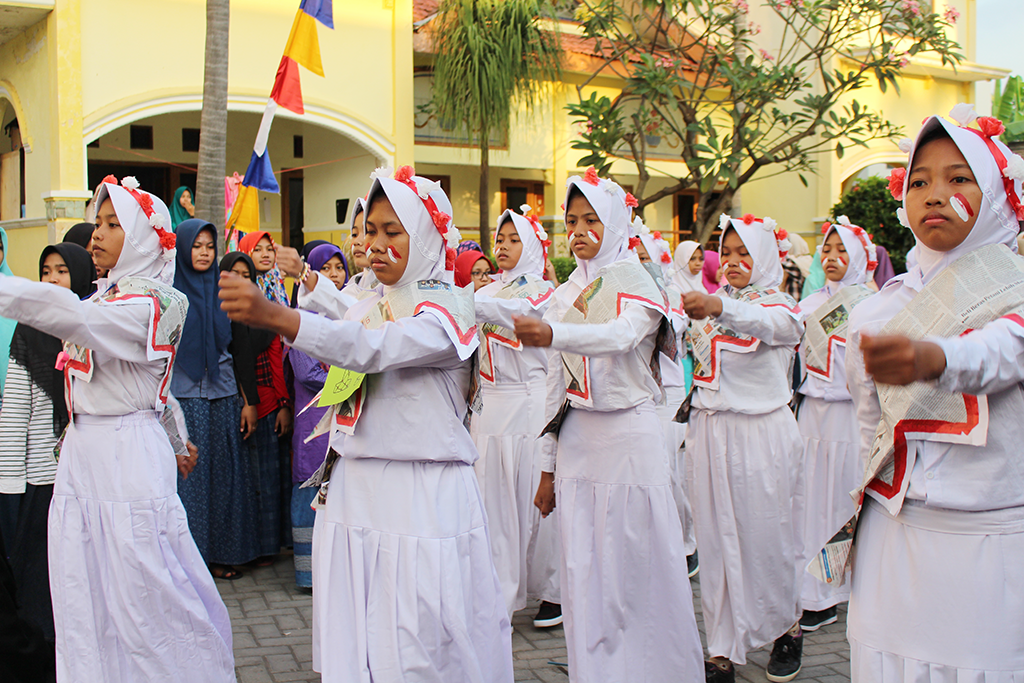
[272,633]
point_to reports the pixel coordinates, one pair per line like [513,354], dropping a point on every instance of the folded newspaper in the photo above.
[826,329]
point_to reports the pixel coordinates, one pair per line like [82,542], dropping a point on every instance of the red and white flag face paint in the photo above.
[961,206]
[593,236]
[742,265]
[393,254]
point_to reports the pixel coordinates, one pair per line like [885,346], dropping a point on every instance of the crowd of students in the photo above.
[520,439]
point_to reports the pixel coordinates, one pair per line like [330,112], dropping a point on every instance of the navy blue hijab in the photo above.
[207,330]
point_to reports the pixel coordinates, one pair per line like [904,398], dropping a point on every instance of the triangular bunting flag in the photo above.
[303,44]
[260,174]
[321,10]
[287,90]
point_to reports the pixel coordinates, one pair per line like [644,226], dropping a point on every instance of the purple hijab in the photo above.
[884,272]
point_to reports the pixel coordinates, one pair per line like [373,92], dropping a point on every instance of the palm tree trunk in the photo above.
[214,122]
[485,194]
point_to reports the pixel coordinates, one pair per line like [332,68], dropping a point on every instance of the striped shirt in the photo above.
[26,433]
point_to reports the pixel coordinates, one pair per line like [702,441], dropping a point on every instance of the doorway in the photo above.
[292,213]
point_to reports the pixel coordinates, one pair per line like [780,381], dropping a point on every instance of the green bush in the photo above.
[870,205]
[564,265]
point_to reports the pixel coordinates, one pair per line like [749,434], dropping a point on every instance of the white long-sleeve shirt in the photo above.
[26,433]
[124,380]
[529,363]
[990,362]
[325,298]
[758,382]
[616,382]
[416,386]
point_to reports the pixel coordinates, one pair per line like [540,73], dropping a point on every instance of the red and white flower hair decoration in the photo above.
[145,200]
[768,224]
[538,229]
[870,250]
[442,221]
[638,229]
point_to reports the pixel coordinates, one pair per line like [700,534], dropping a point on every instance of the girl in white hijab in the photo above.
[132,598]
[832,464]
[744,448]
[511,416]
[688,264]
[614,487]
[949,520]
[405,585]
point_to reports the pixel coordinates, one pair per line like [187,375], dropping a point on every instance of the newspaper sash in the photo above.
[530,287]
[979,287]
[709,339]
[826,329]
[168,311]
[602,301]
[451,305]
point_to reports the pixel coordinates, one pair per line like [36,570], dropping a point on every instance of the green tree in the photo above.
[492,56]
[869,204]
[213,123]
[696,73]
[1008,106]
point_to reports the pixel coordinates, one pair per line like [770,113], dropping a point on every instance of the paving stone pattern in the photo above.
[272,623]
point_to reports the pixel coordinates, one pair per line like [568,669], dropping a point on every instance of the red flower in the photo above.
[656,234]
[440,220]
[145,201]
[991,126]
[404,174]
[824,227]
[665,258]
[781,234]
[110,179]
[857,230]
[167,239]
[634,242]
[591,176]
[896,179]
[631,201]
[749,218]
[449,259]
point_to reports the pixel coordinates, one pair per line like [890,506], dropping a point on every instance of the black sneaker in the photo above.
[812,621]
[716,674]
[692,565]
[784,664]
[548,615]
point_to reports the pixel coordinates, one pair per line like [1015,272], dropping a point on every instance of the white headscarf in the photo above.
[862,255]
[532,260]
[609,202]
[997,220]
[681,276]
[657,249]
[428,253]
[142,254]
[766,248]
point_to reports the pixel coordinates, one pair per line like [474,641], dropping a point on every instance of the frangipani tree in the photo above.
[696,71]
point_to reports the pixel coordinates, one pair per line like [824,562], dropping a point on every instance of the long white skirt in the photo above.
[525,549]
[403,584]
[745,471]
[938,596]
[822,505]
[675,435]
[626,600]
[133,600]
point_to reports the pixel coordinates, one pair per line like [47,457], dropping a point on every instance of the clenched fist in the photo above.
[699,306]
[532,331]
[289,262]
[901,361]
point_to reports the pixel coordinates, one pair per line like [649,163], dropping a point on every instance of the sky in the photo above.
[998,39]
[999,34]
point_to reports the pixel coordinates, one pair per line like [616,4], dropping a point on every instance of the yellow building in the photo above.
[91,87]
